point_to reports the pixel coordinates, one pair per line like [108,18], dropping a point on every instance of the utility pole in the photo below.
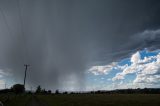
[26,66]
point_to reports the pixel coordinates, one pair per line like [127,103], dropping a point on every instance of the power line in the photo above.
[25,42]
[5,21]
[9,29]
[22,31]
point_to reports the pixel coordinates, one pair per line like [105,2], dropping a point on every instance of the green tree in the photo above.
[18,88]
[38,90]
[57,91]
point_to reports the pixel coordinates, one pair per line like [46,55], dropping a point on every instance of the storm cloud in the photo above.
[61,39]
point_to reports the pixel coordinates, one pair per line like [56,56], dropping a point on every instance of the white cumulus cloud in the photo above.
[136,58]
[98,70]
[147,70]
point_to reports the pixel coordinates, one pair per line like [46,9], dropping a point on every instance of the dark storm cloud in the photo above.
[60,39]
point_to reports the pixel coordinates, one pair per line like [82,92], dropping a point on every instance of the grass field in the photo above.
[89,100]
[15,100]
[102,100]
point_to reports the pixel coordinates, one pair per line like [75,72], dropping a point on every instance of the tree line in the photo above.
[19,88]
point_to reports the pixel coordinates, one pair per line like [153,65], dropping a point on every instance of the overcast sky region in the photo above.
[80,44]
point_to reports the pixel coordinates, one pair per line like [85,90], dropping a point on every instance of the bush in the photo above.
[18,88]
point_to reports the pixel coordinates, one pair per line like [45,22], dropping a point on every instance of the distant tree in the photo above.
[57,91]
[65,92]
[18,88]
[38,90]
[29,92]
[44,91]
[49,91]
[92,92]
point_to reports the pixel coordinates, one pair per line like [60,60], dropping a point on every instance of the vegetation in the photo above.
[87,99]
[18,88]
[57,91]
[11,99]
[18,100]
[102,99]
[39,90]
[123,97]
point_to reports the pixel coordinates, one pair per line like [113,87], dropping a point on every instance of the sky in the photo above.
[80,44]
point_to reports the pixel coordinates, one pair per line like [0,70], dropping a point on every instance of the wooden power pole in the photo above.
[26,66]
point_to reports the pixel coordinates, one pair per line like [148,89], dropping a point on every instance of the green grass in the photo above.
[18,100]
[6,96]
[102,100]
[88,100]
[1,97]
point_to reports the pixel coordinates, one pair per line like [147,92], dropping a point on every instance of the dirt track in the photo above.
[35,102]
